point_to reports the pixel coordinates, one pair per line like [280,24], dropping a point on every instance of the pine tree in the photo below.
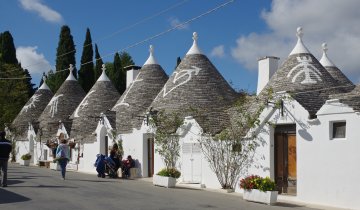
[126,59]
[13,93]
[99,63]
[86,72]
[65,56]
[7,48]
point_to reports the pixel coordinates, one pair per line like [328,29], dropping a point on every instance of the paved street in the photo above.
[42,188]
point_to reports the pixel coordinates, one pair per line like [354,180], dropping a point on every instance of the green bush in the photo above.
[26,157]
[169,172]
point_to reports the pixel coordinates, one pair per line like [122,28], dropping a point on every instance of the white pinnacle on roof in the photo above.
[194,48]
[44,85]
[71,76]
[151,59]
[325,61]
[103,76]
[299,47]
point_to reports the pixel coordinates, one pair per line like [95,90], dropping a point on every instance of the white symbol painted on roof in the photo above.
[53,104]
[306,68]
[33,99]
[178,75]
[122,102]
[83,103]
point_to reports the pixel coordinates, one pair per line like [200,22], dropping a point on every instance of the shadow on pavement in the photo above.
[10,197]
[90,180]
[287,205]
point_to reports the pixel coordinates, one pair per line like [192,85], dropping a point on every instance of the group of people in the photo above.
[63,157]
[113,163]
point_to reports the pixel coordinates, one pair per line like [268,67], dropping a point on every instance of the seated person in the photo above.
[127,164]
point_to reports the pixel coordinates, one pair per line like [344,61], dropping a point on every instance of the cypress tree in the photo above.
[42,79]
[65,55]
[99,63]
[86,72]
[178,61]
[7,48]
[117,75]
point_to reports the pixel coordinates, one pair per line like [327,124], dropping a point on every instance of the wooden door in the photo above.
[285,162]
[150,157]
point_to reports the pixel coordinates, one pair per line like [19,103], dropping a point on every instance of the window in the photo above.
[338,130]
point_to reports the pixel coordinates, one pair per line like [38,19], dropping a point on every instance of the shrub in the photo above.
[257,182]
[169,172]
[26,156]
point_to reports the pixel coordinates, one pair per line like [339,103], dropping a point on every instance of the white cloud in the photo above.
[331,21]
[42,10]
[33,61]
[218,51]
[175,22]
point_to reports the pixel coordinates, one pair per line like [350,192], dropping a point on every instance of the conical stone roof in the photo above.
[302,75]
[138,96]
[351,98]
[61,106]
[101,97]
[31,111]
[334,71]
[197,84]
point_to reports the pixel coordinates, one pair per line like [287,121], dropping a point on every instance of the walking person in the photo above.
[63,154]
[5,150]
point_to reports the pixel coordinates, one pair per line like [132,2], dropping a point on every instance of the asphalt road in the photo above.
[41,188]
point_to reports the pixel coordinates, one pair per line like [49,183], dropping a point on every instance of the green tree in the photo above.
[14,93]
[126,59]
[118,75]
[86,72]
[30,86]
[65,56]
[7,48]
[98,64]
[178,61]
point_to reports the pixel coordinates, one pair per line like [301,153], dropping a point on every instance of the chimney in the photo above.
[267,67]
[131,72]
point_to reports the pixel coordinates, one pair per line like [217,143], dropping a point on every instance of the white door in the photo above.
[191,164]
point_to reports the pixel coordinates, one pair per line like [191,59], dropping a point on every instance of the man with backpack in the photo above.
[5,150]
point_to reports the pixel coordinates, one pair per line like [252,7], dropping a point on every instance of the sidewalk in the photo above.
[291,200]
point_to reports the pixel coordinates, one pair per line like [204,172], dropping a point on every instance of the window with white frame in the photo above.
[338,130]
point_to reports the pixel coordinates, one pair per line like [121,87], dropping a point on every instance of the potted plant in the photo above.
[25,159]
[258,189]
[167,146]
[166,177]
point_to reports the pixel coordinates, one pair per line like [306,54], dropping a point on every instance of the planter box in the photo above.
[24,162]
[55,166]
[164,181]
[268,197]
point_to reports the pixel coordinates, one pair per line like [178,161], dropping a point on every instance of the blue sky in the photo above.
[233,37]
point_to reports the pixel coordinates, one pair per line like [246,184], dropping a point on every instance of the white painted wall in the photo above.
[266,68]
[327,169]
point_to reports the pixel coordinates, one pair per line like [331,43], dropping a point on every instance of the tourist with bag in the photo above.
[63,154]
